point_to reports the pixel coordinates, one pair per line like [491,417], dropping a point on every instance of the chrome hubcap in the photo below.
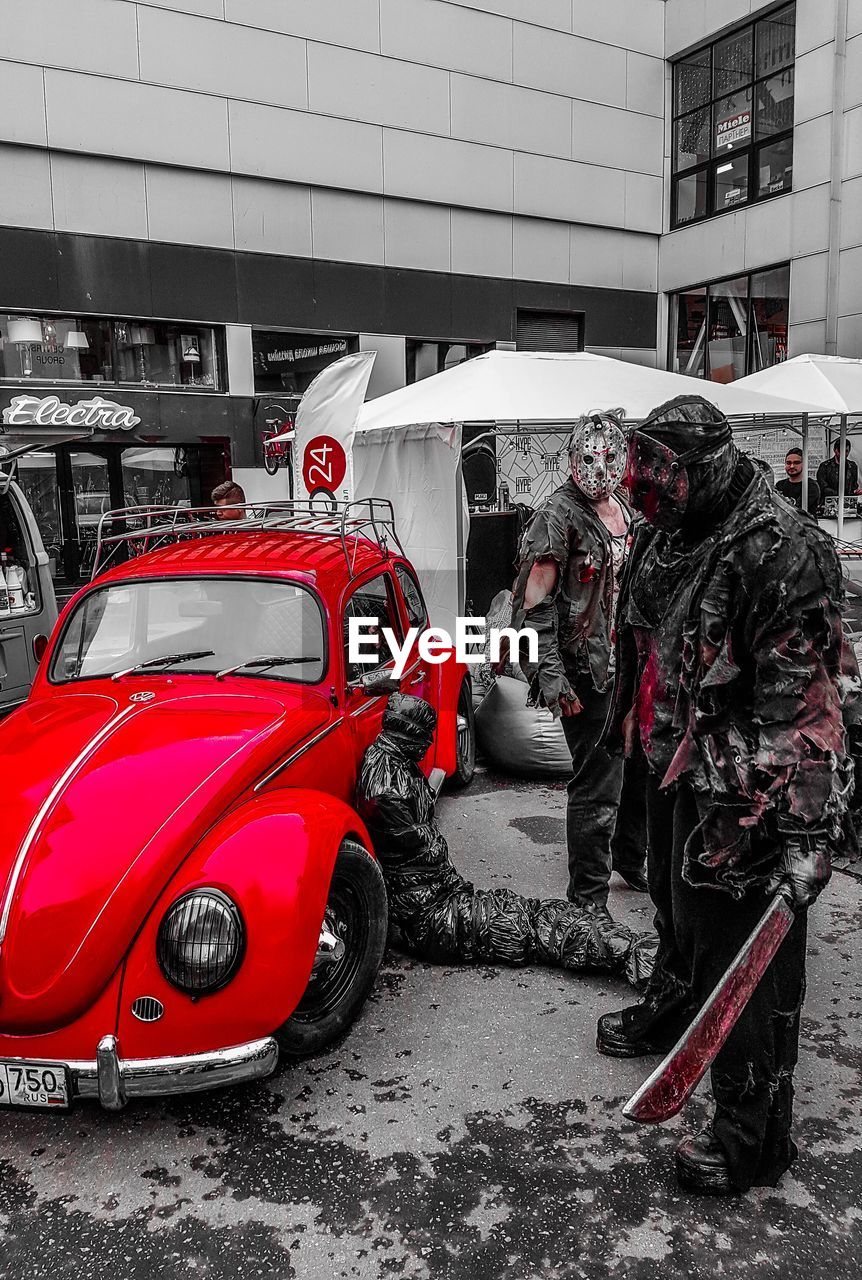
[330,944]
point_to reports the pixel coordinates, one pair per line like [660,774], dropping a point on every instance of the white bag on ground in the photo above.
[522,740]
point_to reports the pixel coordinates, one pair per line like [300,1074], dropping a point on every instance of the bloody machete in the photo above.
[676,1077]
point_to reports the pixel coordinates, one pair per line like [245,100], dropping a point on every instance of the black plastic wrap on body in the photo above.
[437,914]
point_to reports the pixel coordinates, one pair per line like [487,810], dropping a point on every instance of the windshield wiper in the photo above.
[263,662]
[167,660]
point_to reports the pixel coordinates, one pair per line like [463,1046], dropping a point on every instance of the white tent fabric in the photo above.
[510,386]
[832,382]
[417,469]
[407,444]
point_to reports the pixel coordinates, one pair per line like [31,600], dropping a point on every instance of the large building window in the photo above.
[144,353]
[424,359]
[728,329]
[733,119]
[286,364]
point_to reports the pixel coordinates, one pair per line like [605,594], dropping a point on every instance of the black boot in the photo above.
[701,1166]
[635,878]
[615,1041]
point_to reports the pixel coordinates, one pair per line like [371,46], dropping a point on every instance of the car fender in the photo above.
[273,856]
[448,677]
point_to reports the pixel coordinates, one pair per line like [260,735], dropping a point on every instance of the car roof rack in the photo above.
[128,532]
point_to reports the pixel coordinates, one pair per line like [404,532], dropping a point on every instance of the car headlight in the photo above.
[201,942]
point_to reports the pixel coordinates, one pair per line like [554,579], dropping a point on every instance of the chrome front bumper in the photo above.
[113,1081]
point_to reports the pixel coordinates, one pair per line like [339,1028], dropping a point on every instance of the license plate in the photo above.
[33,1084]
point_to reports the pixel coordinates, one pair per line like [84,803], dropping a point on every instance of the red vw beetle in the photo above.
[187,889]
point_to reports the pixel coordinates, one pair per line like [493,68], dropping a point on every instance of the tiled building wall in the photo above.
[796,227]
[515,138]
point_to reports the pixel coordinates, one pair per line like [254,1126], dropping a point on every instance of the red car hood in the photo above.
[102,800]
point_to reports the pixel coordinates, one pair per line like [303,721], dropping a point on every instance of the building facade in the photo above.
[205,201]
[763,197]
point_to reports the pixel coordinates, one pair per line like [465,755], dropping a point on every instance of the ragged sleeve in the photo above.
[801,763]
[548,537]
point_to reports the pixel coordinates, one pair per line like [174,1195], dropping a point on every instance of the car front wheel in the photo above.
[350,951]
[465,739]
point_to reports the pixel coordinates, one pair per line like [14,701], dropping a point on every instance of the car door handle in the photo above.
[418,678]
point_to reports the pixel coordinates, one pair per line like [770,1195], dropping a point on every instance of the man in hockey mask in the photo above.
[570,563]
[732,679]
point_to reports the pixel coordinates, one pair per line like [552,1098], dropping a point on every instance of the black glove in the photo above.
[804,869]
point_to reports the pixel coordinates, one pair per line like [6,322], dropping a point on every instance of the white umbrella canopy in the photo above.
[833,382]
[509,386]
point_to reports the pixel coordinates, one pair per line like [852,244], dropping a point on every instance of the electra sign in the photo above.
[100,414]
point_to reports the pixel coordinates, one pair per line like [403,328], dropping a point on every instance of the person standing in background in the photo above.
[791,487]
[827,473]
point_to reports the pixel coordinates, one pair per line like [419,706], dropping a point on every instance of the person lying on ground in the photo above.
[437,914]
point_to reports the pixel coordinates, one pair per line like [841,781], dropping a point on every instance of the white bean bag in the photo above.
[518,739]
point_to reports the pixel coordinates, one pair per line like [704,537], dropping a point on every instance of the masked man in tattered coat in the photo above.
[732,677]
[570,563]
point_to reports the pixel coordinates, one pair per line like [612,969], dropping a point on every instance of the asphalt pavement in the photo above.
[465,1129]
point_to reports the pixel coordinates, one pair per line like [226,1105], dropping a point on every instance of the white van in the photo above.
[28,608]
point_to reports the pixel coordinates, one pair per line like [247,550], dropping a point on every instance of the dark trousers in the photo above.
[605,816]
[700,931]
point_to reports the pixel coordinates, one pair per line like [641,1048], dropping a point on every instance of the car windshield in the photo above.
[195,625]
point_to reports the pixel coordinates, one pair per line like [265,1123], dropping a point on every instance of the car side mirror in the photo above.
[378,684]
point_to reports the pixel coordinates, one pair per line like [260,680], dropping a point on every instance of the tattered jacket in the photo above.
[574,624]
[766,682]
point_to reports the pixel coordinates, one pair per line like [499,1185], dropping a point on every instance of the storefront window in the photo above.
[37,476]
[691,138]
[769,318]
[727,97]
[732,122]
[688,349]
[776,41]
[732,62]
[726,330]
[692,82]
[728,324]
[775,167]
[147,353]
[166,355]
[287,363]
[731,183]
[775,104]
[54,349]
[154,478]
[691,195]
[424,359]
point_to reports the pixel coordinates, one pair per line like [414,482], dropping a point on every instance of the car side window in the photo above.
[373,601]
[417,614]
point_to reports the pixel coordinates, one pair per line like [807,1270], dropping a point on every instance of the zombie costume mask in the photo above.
[435,912]
[680,462]
[597,453]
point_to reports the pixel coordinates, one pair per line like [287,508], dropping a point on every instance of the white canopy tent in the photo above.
[834,384]
[509,386]
[408,443]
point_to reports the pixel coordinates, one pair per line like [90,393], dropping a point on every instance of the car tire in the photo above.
[465,738]
[357,912]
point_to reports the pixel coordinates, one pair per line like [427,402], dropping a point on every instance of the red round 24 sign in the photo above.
[324,464]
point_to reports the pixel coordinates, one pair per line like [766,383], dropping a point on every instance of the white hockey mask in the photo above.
[597,453]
